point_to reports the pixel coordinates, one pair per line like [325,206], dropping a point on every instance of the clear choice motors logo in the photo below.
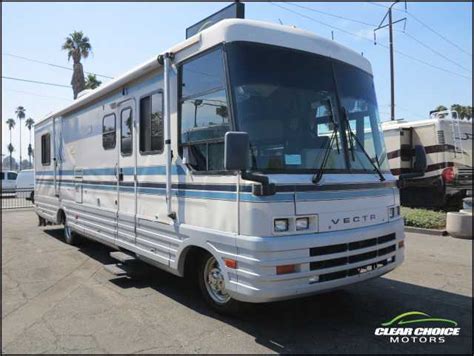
[418,327]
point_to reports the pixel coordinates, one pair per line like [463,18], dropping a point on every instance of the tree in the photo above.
[77,46]
[92,82]
[11,149]
[441,108]
[9,166]
[20,114]
[29,124]
[11,124]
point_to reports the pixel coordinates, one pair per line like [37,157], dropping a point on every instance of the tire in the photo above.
[70,237]
[213,292]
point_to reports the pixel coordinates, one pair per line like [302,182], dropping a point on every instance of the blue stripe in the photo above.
[143,171]
[328,195]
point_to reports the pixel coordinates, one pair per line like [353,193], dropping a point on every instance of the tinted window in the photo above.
[286,103]
[202,74]
[151,124]
[46,149]
[204,112]
[11,175]
[126,139]
[108,132]
[2,175]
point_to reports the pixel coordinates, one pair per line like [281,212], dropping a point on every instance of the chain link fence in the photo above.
[17,198]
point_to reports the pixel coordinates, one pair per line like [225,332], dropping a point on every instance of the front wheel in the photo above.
[70,237]
[212,286]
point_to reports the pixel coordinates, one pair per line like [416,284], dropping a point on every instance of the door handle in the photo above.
[120,175]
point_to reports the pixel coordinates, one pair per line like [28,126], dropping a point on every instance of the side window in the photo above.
[126,129]
[108,132]
[151,124]
[46,149]
[2,176]
[11,175]
[204,112]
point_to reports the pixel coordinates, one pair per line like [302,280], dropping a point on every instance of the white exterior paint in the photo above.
[217,213]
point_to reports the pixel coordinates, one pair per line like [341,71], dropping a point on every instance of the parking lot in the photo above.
[59,298]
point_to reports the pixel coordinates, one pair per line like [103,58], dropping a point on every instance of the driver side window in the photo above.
[204,112]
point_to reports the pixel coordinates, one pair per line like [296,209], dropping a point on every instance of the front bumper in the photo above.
[324,261]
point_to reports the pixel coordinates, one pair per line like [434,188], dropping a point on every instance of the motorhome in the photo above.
[239,157]
[447,140]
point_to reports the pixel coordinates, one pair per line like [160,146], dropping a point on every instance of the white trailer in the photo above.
[229,157]
[447,140]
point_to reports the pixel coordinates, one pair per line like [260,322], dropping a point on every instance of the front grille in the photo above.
[351,246]
[348,260]
[355,271]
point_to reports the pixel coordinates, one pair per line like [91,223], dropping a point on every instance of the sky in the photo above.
[124,35]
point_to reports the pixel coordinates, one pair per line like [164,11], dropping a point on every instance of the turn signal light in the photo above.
[448,174]
[401,244]
[230,263]
[285,269]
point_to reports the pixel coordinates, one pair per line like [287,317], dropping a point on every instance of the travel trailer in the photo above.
[447,140]
[239,157]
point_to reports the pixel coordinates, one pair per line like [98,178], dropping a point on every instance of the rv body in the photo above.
[447,141]
[103,169]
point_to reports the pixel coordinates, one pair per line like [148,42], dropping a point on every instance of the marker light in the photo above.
[230,263]
[285,269]
[302,224]
[280,225]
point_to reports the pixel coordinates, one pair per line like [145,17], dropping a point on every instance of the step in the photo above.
[123,257]
[115,270]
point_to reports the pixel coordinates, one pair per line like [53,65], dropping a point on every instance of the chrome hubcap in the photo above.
[214,280]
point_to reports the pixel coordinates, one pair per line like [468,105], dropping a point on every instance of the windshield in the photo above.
[286,100]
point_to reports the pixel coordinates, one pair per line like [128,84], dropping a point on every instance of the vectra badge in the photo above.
[354,219]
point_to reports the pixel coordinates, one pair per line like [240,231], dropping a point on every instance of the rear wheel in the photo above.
[70,236]
[212,286]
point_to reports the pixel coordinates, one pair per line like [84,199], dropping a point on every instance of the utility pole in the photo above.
[392,66]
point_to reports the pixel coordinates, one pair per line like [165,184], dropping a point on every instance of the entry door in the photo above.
[126,172]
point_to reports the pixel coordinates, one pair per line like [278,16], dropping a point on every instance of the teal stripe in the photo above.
[143,171]
[333,195]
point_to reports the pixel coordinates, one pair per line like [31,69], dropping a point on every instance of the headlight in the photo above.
[302,223]
[280,225]
[393,211]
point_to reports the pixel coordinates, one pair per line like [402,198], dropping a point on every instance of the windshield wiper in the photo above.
[319,174]
[352,135]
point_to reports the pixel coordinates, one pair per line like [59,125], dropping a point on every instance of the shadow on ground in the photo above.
[341,321]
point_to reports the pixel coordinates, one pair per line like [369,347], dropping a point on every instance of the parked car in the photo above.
[25,184]
[8,181]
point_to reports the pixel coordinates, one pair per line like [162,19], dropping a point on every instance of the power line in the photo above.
[37,82]
[373,25]
[34,94]
[50,64]
[371,41]
[332,15]
[436,52]
[427,27]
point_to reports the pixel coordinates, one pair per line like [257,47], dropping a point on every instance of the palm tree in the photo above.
[441,108]
[29,124]
[20,114]
[92,82]
[77,46]
[11,124]
[10,149]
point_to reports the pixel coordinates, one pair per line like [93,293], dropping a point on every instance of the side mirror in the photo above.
[419,166]
[236,149]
